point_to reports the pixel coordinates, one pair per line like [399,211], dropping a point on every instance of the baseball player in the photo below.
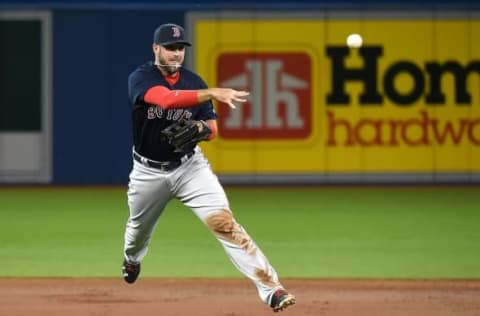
[172,111]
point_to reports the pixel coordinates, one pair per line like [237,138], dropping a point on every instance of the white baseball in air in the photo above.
[354,40]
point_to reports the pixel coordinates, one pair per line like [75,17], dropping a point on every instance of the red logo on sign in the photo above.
[279,105]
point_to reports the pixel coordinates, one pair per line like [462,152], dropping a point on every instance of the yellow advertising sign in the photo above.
[408,100]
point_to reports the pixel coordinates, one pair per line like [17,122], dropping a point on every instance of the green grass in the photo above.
[327,232]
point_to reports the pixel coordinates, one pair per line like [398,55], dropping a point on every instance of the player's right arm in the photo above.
[225,95]
[167,98]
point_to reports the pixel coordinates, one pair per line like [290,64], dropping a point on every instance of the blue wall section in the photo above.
[94,51]
[246,4]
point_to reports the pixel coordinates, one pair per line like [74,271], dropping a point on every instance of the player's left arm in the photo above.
[212,125]
[208,115]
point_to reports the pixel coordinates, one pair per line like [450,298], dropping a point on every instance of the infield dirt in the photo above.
[236,297]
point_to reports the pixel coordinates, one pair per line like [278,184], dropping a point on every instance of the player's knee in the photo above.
[225,227]
[221,222]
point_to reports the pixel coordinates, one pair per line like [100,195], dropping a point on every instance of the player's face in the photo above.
[170,57]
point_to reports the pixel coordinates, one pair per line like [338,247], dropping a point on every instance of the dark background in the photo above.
[97,44]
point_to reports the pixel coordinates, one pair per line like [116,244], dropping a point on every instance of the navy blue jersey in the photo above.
[149,120]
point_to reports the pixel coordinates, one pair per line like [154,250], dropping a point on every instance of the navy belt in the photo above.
[162,165]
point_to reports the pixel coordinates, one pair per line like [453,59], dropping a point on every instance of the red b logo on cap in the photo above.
[176,31]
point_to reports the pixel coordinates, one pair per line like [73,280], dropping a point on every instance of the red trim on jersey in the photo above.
[172,79]
[213,127]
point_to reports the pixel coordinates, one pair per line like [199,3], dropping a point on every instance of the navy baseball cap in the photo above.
[168,34]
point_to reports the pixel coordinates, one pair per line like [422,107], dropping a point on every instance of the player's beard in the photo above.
[169,67]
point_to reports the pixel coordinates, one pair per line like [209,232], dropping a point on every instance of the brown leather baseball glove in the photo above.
[185,133]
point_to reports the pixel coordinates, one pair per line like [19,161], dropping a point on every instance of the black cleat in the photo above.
[130,271]
[281,299]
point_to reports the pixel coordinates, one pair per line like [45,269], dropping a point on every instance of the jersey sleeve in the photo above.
[138,83]
[207,112]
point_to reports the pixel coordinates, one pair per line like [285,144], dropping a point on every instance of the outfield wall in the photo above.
[403,108]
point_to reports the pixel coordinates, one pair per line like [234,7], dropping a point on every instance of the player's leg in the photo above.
[199,189]
[148,193]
